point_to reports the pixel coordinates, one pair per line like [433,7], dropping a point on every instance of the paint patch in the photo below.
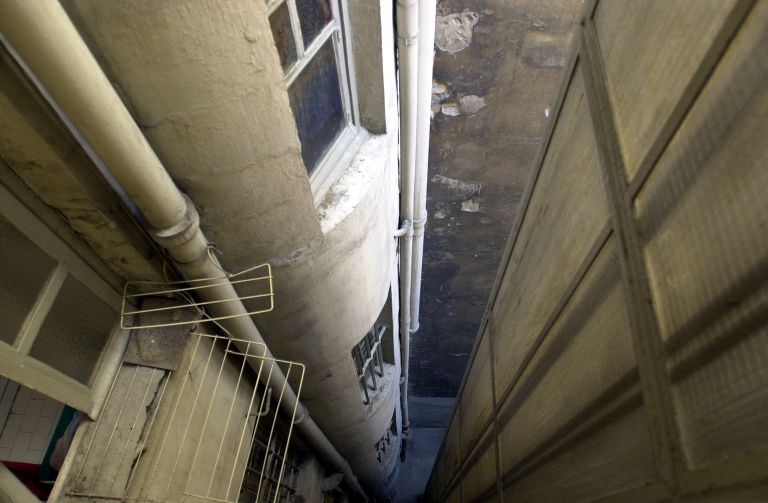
[440,92]
[440,214]
[453,33]
[451,109]
[470,206]
[471,104]
[464,188]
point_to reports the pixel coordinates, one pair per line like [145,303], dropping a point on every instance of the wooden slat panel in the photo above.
[565,216]
[651,49]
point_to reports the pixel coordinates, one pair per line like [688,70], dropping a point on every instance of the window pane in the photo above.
[316,102]
[23,272]
[314,15]
[75,331]
[280,20]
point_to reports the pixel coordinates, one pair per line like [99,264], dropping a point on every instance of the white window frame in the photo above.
[339,155]
[15,360]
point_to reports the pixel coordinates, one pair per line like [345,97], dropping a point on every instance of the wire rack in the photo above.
[256,282]
[209,431]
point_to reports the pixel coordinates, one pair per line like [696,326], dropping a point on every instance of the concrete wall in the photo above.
[622,356]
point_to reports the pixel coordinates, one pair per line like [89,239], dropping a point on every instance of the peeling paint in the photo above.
[470,206]
[440,92]
[451,109]
[453,33]
[467,189]
[471,104]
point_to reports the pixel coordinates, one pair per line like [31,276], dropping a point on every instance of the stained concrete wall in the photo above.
[42,155]
[622,356]
[497,65]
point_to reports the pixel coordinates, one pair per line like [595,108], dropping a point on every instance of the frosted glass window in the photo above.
[317,106]
[75,331]
[314,15]
[282,33]
[24,269]
[319,86]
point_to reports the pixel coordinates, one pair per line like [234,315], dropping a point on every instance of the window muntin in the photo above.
[69,318]
[318,80]
[24,270]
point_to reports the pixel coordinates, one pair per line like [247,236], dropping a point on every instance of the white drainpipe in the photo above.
[427,12]
[415,42]
[46,44]
[408,64]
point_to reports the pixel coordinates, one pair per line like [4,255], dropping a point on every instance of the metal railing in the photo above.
[369,360]
[221,438]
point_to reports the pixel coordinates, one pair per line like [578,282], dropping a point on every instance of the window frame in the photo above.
[340,153]
[15,358]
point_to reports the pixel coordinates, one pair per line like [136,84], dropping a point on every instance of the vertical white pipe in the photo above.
[407,50]
[427,11]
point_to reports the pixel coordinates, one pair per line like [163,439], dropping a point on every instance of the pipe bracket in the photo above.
[405,230]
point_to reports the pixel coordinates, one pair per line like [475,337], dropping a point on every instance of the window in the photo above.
[369,361]
[384,447]
[58,317]
[310,36]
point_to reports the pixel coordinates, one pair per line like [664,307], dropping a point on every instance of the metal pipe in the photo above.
[50,47]
[407,50]
[427,12]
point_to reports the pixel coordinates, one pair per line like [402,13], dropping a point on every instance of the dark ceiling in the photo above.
[497,65]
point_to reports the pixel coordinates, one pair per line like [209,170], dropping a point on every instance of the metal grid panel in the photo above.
[256,279]
[217,438]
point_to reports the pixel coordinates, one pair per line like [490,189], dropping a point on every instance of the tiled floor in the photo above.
[27,419]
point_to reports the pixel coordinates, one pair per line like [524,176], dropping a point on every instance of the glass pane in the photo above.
[23,272]
[75,331]
[316,102]
[314,15]
[280,20]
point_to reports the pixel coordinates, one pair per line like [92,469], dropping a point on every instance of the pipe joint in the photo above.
[409,41]
[419,226]
[302,414]
[184,231]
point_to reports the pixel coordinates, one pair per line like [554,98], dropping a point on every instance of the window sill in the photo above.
[335,162]
[370,164]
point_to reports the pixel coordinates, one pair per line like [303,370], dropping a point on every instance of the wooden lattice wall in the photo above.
[624,352]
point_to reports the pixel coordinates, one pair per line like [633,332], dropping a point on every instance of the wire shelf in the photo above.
[255,281]
[219,436]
